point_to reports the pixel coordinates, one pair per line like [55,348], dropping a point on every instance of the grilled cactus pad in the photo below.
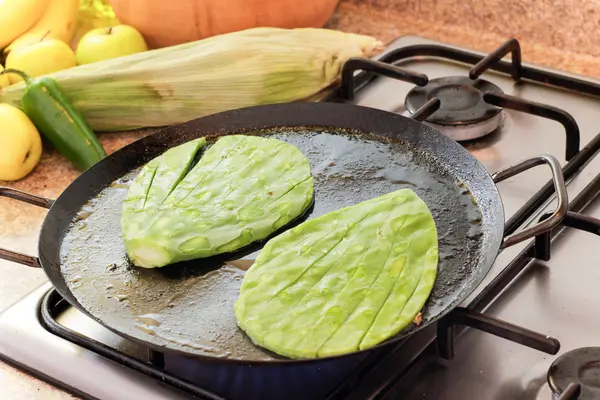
[242,189]
[342,282]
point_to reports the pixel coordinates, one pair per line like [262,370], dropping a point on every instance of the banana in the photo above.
[17,16]
[58,22]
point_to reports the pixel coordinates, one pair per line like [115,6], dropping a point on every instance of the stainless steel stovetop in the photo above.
[558,297]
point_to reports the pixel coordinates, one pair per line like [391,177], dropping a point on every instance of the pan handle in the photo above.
[559,186]
[24,259]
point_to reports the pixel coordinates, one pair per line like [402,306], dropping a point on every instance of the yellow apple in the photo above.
[109,42]
[4,81]
[40,58]
[20,144]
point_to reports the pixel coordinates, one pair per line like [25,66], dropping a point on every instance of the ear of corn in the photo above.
[179,83]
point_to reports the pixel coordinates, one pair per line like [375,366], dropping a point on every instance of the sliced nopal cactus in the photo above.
[344,281]
[242,190]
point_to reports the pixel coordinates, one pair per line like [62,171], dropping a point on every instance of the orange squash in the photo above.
[166,23]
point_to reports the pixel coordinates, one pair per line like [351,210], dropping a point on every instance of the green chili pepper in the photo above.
[45,104]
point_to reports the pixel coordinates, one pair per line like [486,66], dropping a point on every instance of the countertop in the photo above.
[558,34]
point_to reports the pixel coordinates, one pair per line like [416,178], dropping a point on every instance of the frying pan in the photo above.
[356,153]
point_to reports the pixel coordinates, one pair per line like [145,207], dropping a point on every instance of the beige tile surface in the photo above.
[558,34]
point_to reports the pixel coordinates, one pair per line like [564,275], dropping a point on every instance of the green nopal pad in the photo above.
[342,282]
[242,190]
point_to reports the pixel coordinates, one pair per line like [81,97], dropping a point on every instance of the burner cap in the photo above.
[577,366]
[461,100]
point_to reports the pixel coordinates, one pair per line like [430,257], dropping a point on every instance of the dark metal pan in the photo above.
[356,153]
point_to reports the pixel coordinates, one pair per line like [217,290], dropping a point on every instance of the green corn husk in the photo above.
[175,84]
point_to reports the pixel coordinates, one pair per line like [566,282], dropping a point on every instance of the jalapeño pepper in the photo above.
[48,108]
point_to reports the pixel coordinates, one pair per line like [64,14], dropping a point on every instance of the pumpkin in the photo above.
[167,23]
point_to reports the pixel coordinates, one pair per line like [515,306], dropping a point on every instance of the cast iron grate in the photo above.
[217,380]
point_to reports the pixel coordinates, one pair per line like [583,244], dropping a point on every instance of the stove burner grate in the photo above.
[461,100]
[463,114]
[329,380]
[385,66]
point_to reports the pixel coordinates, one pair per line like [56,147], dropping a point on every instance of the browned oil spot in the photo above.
[418,319]
[244,265]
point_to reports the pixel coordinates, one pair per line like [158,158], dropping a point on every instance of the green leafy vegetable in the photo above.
[242,190]
[345,281]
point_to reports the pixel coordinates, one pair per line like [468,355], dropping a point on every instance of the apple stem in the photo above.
[45,34]
[22,74]
[110,30]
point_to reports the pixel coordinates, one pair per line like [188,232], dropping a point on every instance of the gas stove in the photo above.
[541,294]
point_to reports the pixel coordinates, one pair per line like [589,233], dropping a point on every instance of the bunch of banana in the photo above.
[25,22]
[17,16]
[34,37]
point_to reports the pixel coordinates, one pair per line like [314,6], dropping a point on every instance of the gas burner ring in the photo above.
[463,114]
[462,133]
[580,366]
